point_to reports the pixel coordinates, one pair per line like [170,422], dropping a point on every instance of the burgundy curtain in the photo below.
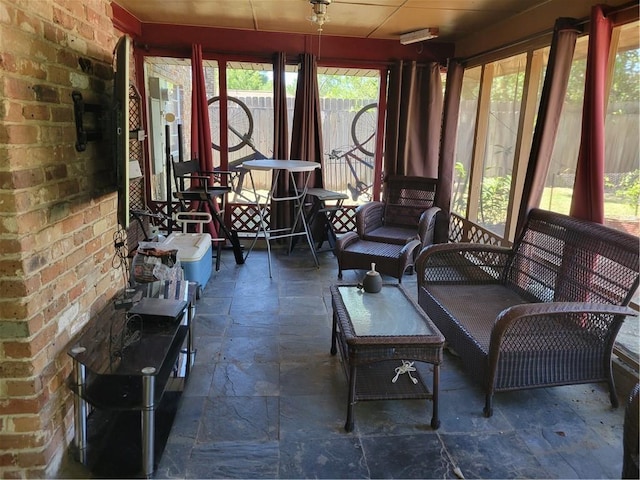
[414,116]
[588,190]
[306,141]
[280,214]
[200,129]
[554,90]
[451,111]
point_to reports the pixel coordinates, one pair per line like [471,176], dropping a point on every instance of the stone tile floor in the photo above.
[265,399]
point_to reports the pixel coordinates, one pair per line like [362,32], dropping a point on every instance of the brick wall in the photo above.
[57,218]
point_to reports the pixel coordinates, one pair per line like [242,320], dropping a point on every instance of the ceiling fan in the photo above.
[319,15]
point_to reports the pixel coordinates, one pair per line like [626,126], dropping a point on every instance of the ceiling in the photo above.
[380,19]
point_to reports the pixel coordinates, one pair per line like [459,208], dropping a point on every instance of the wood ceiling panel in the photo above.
[382,19]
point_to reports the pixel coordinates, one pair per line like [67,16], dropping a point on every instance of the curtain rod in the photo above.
[535,36]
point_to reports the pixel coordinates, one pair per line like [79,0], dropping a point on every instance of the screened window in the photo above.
[168,84]
[465,138]
[502,133]
[349,126]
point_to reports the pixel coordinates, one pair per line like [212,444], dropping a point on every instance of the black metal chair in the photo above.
[196,188]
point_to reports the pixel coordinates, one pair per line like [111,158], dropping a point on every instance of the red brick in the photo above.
[10,245]
[10,267]
[37,320]
[8,459]
[8,62]
[67,58]
[19,287]
[52,271]
[63,19]
[21,440]
[68,188]
[74,7]
[12,111]
[25,423]
[17,350]
[46,93]
[13,310]
[16,42]
[82,236]
[24,387]
[27,178]
[36,112]
[86,31]
[29,23]
[31,221]
[18,89]
[55,307]
[75,292]
[62,114]
[18,134]
[10,474]
[53,33]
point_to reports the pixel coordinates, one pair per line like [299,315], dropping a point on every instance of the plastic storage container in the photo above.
[194,254]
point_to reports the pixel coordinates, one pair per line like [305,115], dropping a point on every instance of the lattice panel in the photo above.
[463,230]
[136,194]
[456,228]
[245,218]
[345,220]
[136,185]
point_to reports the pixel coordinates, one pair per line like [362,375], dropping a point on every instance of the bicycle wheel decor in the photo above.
[363,129]
[240,123]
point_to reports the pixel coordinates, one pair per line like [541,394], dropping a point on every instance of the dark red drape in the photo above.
[554,90]
[306,137]
[414,117]
[280,214]
[200,129]
[588,190]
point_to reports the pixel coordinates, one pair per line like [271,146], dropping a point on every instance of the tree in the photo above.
[248,80]
[348,87]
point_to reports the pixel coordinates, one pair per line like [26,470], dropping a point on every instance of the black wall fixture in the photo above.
[84,134]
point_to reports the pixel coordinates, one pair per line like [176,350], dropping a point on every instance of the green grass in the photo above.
[559,200]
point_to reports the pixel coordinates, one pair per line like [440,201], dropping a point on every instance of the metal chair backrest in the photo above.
[182,170]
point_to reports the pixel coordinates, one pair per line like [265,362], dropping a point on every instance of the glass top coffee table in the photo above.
[380,336]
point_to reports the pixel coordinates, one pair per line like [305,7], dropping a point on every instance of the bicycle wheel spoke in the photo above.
[239,120]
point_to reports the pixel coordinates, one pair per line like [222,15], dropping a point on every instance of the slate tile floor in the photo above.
[265,399]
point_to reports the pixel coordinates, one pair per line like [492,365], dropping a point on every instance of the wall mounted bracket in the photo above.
[84,135]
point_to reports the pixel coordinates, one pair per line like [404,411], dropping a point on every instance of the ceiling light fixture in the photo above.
[319,15]
[418,36]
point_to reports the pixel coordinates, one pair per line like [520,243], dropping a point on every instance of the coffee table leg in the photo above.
[435,420]
[348,426]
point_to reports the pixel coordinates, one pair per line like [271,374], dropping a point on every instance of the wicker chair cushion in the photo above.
[464,306]
[371,249]
[391,234]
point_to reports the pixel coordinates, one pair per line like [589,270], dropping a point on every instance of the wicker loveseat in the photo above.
[542,313]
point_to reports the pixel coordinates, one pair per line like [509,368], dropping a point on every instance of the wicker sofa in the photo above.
[544,312]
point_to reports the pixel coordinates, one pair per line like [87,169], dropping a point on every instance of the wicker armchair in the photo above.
[397,218]
[545,312]
[391,233]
